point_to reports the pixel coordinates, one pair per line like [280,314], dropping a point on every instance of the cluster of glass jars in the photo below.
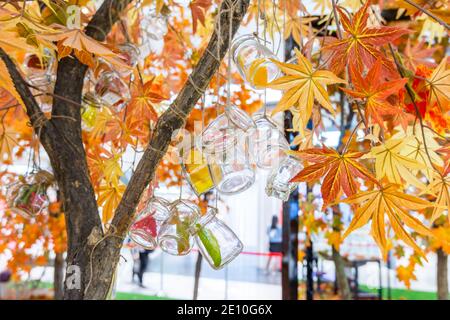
[30,195]
[230,148]
[176,226]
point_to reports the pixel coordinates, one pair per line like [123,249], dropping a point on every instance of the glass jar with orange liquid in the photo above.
[252,60]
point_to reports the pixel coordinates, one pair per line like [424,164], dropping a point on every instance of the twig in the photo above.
[410,92]
[428,13]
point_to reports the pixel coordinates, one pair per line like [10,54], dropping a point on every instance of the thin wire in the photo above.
[265,43]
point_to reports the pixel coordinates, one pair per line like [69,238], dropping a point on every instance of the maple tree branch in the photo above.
[33,110]
[428,13]
[172,119]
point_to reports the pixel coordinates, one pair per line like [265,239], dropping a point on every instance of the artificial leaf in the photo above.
[303,85]
[387,200]
[83,46]
[419,54]
[439,85]
[406,274]
[7,83]
[440,187]
[441,239]
[143,99]
[414,148]
[211,245]
[297,27]
[8,140]
[108,198]
[339,171]
[198,10]
[390,163]
[374,92]
[359,46]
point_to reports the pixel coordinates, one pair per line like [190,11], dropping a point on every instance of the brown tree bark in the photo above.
[341,277]
[442,275]
[94,252]
[58,276]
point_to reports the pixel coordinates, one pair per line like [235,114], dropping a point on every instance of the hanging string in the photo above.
[265,43]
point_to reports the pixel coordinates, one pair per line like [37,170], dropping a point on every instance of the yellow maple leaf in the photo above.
[406,274]
[108,198]
[302,85]
[439,84]
[8,140]
[7,83]
[387,200]
[440,187]
[390,163]
[441,239]
[298,27]
[414,148]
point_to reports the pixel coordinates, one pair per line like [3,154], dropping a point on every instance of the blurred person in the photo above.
[275,238]
[141,262]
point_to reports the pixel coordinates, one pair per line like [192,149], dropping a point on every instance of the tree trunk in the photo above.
[442,275]
[58,276]
[341,277]
[198,270]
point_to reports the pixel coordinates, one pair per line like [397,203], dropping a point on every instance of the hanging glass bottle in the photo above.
[278,183]
[145,228]
[197,171]
[28,196]
[226,130]
[231,170]
[252,60]
[175,234]
[154,26]
[40,71]
[218,244]
[109,90]
[267,142]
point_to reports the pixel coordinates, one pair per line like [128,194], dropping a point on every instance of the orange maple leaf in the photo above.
[374,92]
[83,47]
[198,9]
[340,171]
[143,98]
[359,46]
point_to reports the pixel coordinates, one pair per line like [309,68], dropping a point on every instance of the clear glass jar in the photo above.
[252,59]
[110,90]
[197,171]
[225,131]
[154,26]
[175,234]
[267,142]
[130,53]
[235,173]
[40,72]
[218,244]
[278,183]
[28,196]
[145,228]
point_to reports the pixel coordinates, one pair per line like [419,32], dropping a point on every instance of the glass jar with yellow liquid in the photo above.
[252,60]
[198,172]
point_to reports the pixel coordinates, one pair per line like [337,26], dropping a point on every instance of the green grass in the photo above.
[137,296]
[399,294]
